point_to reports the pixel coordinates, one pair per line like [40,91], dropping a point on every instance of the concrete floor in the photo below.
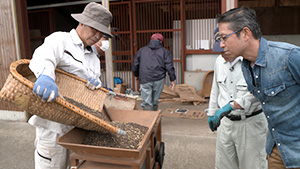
[189,144]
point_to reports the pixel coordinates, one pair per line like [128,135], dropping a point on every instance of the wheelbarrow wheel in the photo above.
[154,166]
[159,157]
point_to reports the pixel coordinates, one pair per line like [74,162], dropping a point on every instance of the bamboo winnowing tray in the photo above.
[18,90]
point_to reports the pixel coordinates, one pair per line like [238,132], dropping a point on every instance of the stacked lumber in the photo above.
[182,93]
[168,94]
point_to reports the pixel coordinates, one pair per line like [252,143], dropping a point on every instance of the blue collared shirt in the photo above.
[274,80]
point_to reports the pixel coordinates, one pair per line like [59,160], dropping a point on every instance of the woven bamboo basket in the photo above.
[18,90]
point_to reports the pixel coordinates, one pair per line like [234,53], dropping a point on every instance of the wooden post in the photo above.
[223,6]
[183,37]
[108,57]
[134,43]
[23,27]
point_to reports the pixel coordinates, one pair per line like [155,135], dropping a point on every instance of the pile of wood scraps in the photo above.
[182,93]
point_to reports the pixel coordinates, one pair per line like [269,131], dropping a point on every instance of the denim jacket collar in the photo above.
[261,58]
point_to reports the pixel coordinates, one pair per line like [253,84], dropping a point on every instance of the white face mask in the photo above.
[104,46]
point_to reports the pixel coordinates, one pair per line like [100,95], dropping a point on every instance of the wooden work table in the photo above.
[87,159]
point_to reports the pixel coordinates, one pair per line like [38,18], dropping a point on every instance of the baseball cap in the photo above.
[157,36]
[216,47]
[96,16]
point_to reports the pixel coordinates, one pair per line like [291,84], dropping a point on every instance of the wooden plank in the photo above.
[177,99]
[167,93]
[120,103]
[8,48]
[188,94]
[95,165]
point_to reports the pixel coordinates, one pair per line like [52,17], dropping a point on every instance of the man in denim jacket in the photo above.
[241,136]
[272,72]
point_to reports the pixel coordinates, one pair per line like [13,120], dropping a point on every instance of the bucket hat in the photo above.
[216,47]
[95,16]
[157,36]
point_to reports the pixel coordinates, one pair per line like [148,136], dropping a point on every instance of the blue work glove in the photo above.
[220,113]
[45,88]
[93,84]
[211,124]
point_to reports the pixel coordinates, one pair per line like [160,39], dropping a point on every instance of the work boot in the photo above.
[147,107]
[155,107]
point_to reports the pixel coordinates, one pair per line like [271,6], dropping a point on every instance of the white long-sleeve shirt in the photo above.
[229,85]
[63,50]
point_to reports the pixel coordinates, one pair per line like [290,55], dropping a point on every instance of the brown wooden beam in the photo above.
[24,38]
[183,37]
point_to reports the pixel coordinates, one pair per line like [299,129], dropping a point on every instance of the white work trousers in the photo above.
[241,144]
[48,154]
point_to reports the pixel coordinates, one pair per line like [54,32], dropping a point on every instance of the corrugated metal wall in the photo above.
[201,22]
[8,48]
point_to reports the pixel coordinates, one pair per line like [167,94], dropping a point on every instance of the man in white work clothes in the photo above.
[236,115]
[72,52]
